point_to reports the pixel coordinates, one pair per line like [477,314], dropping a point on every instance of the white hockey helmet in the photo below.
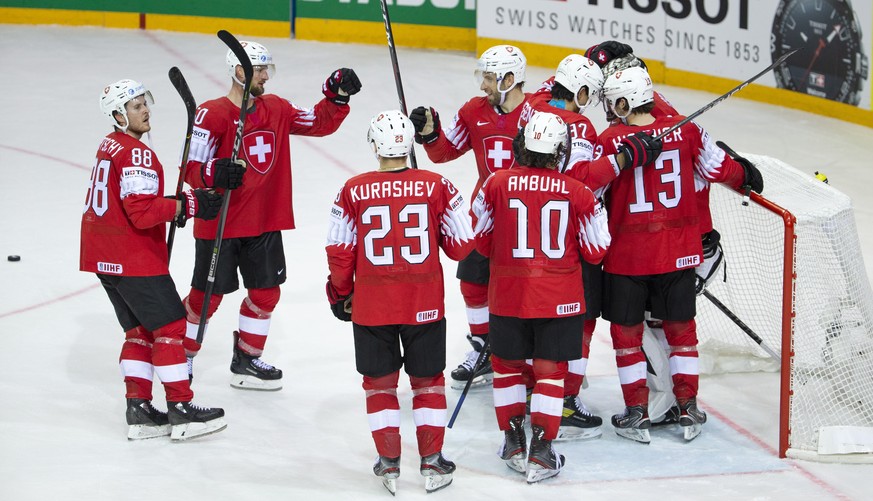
[544,133]
[633,84]
[258,55]
[391,134]
[116,95]
[576,71]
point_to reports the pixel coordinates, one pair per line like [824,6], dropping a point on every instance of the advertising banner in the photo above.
[453,13]
[731,39]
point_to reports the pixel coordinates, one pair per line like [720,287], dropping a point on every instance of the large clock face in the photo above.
[829,63]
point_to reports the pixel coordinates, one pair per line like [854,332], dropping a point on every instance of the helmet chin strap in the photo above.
[503,92]
[126,122]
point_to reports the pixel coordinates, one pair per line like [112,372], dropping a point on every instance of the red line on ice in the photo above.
[50,301]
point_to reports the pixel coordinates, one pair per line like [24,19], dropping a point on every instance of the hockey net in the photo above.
[794,274]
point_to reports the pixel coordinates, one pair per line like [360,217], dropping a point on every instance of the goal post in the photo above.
[794,273]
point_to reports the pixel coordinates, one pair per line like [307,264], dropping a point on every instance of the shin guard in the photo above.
[135,363]
[429,412]
[547,401]
[193,307]
[627,342]
[254,319]
[682,338]
[383,413]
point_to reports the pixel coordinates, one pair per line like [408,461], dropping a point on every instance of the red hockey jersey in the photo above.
[125,214]
[480,127]
[653,210]
[263,203]
[663,108]
[596,174]
[385,232]
[533,223]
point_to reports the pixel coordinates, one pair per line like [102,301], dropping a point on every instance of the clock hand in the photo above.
[834,33]
[821,45]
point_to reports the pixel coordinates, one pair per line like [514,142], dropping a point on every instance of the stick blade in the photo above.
[240,53]
[178,81]
[785,56]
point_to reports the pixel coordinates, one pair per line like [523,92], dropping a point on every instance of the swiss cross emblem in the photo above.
[259,150]
[498,153]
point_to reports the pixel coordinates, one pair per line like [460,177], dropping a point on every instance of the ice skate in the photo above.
[252,373]
[190,421]
[633,424]
[144,421]
[513,450]
[388,469]
[437,472]
[483,376]
[543,462]
[577,422]
[691,418]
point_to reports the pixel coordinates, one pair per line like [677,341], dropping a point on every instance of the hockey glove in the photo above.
[419,118]
[341,84]
[712,258]
[753,175]
[640,149]
[202,204]
[223,173]
[340,305]
[607,51]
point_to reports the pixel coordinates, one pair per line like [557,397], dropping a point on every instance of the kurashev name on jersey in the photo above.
[392,189]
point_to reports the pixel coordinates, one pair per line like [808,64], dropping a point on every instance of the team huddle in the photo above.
[566,225]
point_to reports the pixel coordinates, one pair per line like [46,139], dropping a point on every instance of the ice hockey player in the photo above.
[618,57]
[486,125]
[386,229]
[261,205]
[536,225]
[656,209]
[123,233]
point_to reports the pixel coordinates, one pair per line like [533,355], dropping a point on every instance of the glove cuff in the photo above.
[190,201]
[207,173]
[427,138]
[339,99]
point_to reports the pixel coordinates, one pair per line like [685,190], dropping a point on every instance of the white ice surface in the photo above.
[62,430]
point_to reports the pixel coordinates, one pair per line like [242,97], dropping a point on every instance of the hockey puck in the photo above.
[13,258]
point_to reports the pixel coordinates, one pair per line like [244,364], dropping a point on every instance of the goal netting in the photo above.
[794,274]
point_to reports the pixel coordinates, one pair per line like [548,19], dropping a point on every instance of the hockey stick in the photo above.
[727,94]
[397,82]
[745,328]
[479,362]
[181,86]
[244,61]
[747,188]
